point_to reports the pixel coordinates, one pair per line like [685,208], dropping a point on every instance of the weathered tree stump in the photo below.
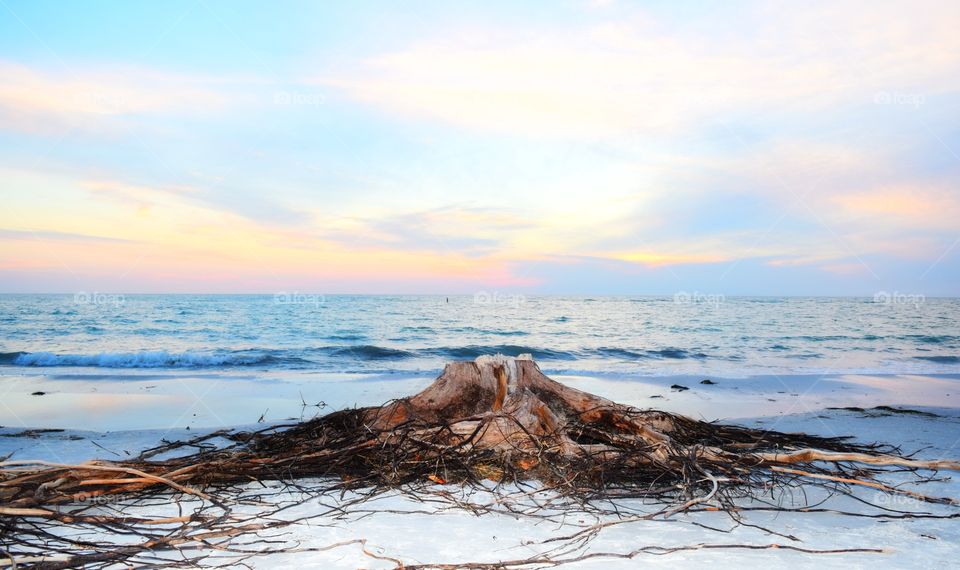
[508,405]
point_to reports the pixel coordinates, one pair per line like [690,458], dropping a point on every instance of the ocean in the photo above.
[658,336]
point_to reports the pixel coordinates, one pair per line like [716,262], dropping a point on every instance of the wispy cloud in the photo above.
[44,101]
[470,231]
[12,234]
[626,78]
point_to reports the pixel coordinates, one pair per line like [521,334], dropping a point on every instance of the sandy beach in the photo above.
[105,416]
[152,400]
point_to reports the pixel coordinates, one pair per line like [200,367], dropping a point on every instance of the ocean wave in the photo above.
[630,354]
[346,337]
[493,332]
[470,352]
[372,357]
[340,356]
[367,352]
[940,359]
[9,357]
[157,359]
[805,355]
[930,339]
[821,338]
[677,353]
[622,353]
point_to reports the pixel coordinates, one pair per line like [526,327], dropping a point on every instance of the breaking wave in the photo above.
[158,359]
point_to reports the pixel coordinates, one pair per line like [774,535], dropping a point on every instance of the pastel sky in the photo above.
[449,147]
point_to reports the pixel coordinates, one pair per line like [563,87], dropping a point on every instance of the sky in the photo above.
[562,147]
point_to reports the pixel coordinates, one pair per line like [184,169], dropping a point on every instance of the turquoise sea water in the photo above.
[124,334]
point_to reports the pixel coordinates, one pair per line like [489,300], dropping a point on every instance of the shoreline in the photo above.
[110,402]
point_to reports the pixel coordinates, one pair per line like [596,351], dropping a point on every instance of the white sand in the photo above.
[127,415]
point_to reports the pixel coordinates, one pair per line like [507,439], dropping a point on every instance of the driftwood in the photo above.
[495,420]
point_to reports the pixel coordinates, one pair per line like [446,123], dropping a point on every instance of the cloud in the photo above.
[41,101]
[851,269]
[657,259]
[459,229]
[913,206]
[625,78]
[797,200]
[42,235]
[140,197]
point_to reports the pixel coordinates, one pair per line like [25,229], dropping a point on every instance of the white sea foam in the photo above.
[159,359]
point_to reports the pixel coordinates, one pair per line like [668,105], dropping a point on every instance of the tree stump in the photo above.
[508,405]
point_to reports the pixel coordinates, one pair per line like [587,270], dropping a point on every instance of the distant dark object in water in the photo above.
[679,388]
[708,382]
[32,432]
[39,394]
[52,433]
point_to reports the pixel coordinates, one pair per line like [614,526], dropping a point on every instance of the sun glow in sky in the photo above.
[555,147]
